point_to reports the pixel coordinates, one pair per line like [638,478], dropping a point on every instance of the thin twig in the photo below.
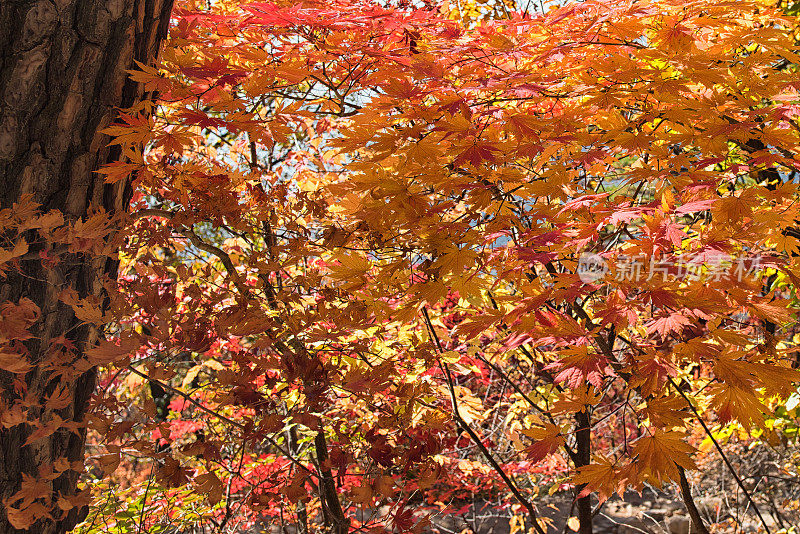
[144,502]
[474,437]
[219,416]
[195,240]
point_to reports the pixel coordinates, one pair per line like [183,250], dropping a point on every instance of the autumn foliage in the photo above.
[354,279]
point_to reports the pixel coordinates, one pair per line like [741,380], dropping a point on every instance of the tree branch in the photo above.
[474,437]
[221,417]
[686,492]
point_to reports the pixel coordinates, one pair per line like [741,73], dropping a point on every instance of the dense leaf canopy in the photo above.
[403,254]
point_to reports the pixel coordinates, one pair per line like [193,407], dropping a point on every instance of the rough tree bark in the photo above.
[62,78]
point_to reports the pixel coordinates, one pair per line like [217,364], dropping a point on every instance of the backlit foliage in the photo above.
[351,274]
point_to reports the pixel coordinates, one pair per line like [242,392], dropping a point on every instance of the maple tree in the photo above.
[359,238]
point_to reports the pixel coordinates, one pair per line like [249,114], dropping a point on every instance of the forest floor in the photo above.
[768,474]
[649,513]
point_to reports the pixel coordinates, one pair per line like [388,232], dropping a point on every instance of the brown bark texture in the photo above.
[63,79]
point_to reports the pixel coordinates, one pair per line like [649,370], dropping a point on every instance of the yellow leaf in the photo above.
[191,374]
[87,309]
[109,462]
[385,486]
[733,402]
[20,248]
[777,311]
[573,524]
[361,494]
[347,266]
[660,454]
[601,476]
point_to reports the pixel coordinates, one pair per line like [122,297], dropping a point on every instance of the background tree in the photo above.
[63,76]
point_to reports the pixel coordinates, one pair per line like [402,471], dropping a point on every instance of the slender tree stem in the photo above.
[583,457]
[327,487]
[698,527]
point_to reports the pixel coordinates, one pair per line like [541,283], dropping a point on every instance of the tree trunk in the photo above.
[583,435]
[62,76]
